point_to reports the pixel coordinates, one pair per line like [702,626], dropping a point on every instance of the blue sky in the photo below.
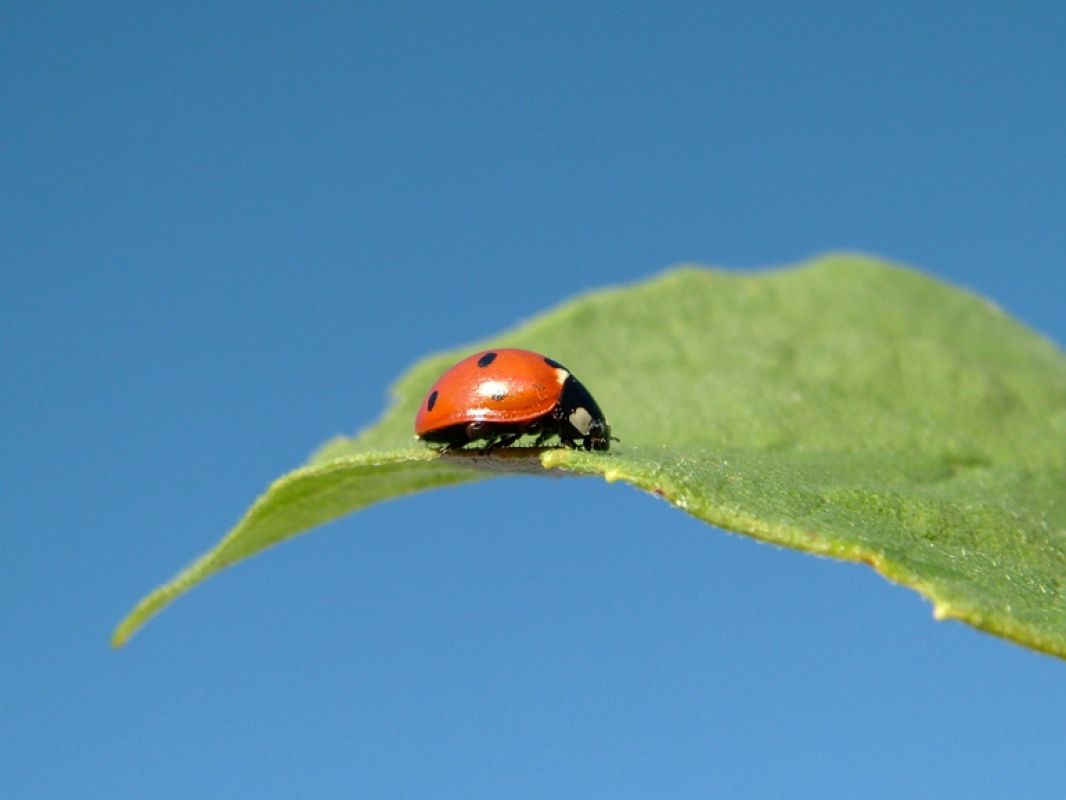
[227,230]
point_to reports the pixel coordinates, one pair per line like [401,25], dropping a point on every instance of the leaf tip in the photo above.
[122,633]
[147,608]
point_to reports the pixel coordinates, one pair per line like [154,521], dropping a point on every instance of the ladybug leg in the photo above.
[542,437]
[505,440]
[541,430]
[510,434]
[548,433]
[566,441]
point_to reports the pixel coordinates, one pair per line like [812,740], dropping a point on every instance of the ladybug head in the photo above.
[598,436]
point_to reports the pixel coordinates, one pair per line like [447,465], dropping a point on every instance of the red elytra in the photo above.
[502,394]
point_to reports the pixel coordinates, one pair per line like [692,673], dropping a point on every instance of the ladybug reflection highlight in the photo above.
[498,396]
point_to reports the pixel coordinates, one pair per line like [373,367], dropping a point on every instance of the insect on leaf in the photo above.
[846,407]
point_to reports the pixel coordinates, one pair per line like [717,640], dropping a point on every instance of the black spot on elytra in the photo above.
[498,397]
[432,400]
[551,362]
[486,359]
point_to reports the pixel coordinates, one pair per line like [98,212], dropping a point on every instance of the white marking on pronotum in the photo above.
[580,419]
[561,375]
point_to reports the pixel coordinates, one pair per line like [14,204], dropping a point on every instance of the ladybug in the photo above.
[499,395]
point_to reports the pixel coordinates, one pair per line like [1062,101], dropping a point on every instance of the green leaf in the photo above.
[846,407]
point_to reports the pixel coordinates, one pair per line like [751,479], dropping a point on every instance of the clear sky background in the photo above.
[226,228]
